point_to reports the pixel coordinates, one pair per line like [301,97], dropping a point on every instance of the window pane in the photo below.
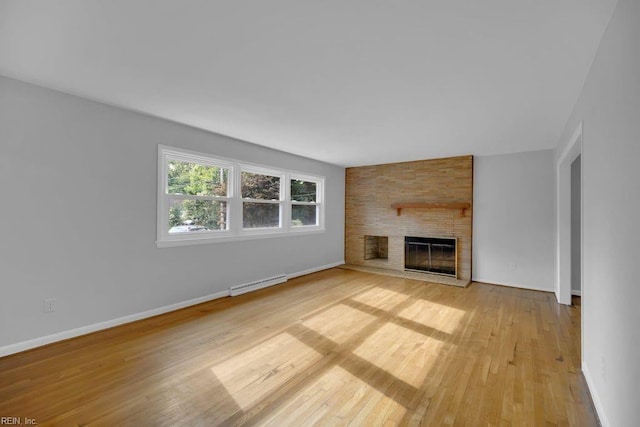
[260,215]
[303,215]
[303,191]
[263,187]
[196,215]
[196,180]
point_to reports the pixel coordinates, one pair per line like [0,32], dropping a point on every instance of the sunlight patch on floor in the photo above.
[336,398]
[381,298]
[437,316]
[253,374]
[339,323]
[405,354]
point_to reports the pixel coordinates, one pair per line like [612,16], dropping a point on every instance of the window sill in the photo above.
[262,234]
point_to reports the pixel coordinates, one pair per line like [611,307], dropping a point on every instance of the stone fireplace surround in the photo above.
[372,190]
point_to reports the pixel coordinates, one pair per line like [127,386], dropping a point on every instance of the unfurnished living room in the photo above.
[294,213]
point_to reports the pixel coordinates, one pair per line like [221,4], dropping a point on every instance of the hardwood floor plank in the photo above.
[338,347]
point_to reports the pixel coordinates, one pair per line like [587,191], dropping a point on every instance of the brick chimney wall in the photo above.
[370,191]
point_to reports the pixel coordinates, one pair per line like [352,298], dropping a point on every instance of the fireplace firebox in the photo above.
[430,254]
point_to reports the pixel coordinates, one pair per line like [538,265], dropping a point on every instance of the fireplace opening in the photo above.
[429,254]
[376,247]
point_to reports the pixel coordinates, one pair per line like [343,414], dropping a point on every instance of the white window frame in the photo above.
[319,203]
[259,170]
[235,230]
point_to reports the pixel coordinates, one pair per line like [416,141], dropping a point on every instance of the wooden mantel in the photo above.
[463,206]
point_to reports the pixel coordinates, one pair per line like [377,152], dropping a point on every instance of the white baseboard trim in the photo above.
[576,292]
[604,421]
[314,270]
[513,285]
[83,330]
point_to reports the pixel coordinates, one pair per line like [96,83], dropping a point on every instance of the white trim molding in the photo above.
[513,285]
[595,397]
[315,269]
[563,216]
[84,330]
[232,203]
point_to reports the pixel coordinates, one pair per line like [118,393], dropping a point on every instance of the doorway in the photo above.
[565,261]
[576,226]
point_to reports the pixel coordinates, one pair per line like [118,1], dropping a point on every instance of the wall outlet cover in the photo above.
[49,305]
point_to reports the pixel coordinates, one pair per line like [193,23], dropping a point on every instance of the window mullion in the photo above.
[273,202]
[236,206]
[285,206]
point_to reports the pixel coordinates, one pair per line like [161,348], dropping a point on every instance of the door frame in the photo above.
[563,220]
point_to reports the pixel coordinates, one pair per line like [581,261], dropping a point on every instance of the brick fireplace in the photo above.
[430,199]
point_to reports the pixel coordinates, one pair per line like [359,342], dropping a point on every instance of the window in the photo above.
[261,200]
[197,195]
[203,199]
[304,202]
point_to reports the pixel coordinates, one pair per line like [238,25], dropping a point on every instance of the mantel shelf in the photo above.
[463,206]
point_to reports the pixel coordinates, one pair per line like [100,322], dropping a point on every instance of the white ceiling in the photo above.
[350,82]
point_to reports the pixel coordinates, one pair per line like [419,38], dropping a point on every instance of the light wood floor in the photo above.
[333,348]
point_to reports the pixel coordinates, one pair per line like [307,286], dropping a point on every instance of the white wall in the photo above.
[78,216]
[514,220]
[609,107]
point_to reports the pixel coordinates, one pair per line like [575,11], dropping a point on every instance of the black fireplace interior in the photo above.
[433,255]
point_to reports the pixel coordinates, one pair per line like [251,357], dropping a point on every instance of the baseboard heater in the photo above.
[258,284]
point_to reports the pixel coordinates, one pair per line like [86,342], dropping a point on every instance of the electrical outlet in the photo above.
[49,305]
